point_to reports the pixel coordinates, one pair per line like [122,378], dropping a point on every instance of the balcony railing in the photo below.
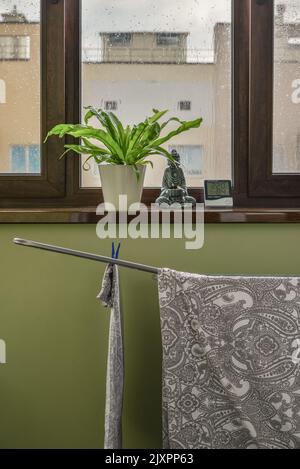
[144,56]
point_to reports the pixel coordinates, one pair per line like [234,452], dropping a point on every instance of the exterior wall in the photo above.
[20,114]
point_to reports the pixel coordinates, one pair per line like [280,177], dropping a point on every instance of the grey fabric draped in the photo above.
[231,372]
[110,296]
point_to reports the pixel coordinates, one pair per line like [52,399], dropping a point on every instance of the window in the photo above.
[2,92]
[151,58]
[25,159]
[18,160]
[191,158]
[285,108]
[110,105]
[190,57]
[20,70]
[185,105]
[294,41]
[14,47]
[27,87]
[280,157]
[168,39]
[47,84]
[269,174]
[119,39]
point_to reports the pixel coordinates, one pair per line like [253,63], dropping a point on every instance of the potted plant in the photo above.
[121,152]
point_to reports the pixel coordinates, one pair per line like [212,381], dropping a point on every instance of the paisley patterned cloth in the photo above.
[231,367]
[110,296]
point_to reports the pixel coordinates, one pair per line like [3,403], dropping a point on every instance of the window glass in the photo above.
[163,54]
[20,86]
[34,159]
[118,39]
[286,126]
[25,159]
[191,160]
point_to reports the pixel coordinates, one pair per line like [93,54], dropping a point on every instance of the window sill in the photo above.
[82,215]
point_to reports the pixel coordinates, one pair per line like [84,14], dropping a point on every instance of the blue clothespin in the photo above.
[115,253]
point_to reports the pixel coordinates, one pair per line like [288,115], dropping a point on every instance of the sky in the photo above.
[197,17]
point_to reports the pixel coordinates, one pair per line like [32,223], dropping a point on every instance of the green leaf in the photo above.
[82,150]
[173,119]
[86,166]
[94,147]
[60,130]
[104,120]
[118,125]
[182,128]
[147,162]
[79,131]
[157,115]
[121,145]
[136,135]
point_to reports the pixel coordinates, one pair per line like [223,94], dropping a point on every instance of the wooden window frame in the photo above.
[254,183]
[59,184]
[21,190]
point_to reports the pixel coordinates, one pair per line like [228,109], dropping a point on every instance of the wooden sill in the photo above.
[82,215]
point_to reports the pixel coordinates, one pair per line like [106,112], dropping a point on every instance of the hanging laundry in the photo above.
[231,375]
[110,296]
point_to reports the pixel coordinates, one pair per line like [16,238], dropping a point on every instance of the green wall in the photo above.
[52,388]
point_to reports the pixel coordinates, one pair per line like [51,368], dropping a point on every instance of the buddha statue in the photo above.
[174,190]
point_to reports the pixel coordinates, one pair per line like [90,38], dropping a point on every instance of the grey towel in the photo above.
[231,373]
[110,296]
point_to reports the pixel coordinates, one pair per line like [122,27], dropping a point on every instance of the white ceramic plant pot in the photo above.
[121,180]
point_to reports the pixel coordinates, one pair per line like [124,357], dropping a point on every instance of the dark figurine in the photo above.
[174,190]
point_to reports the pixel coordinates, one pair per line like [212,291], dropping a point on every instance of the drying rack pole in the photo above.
[86,255]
